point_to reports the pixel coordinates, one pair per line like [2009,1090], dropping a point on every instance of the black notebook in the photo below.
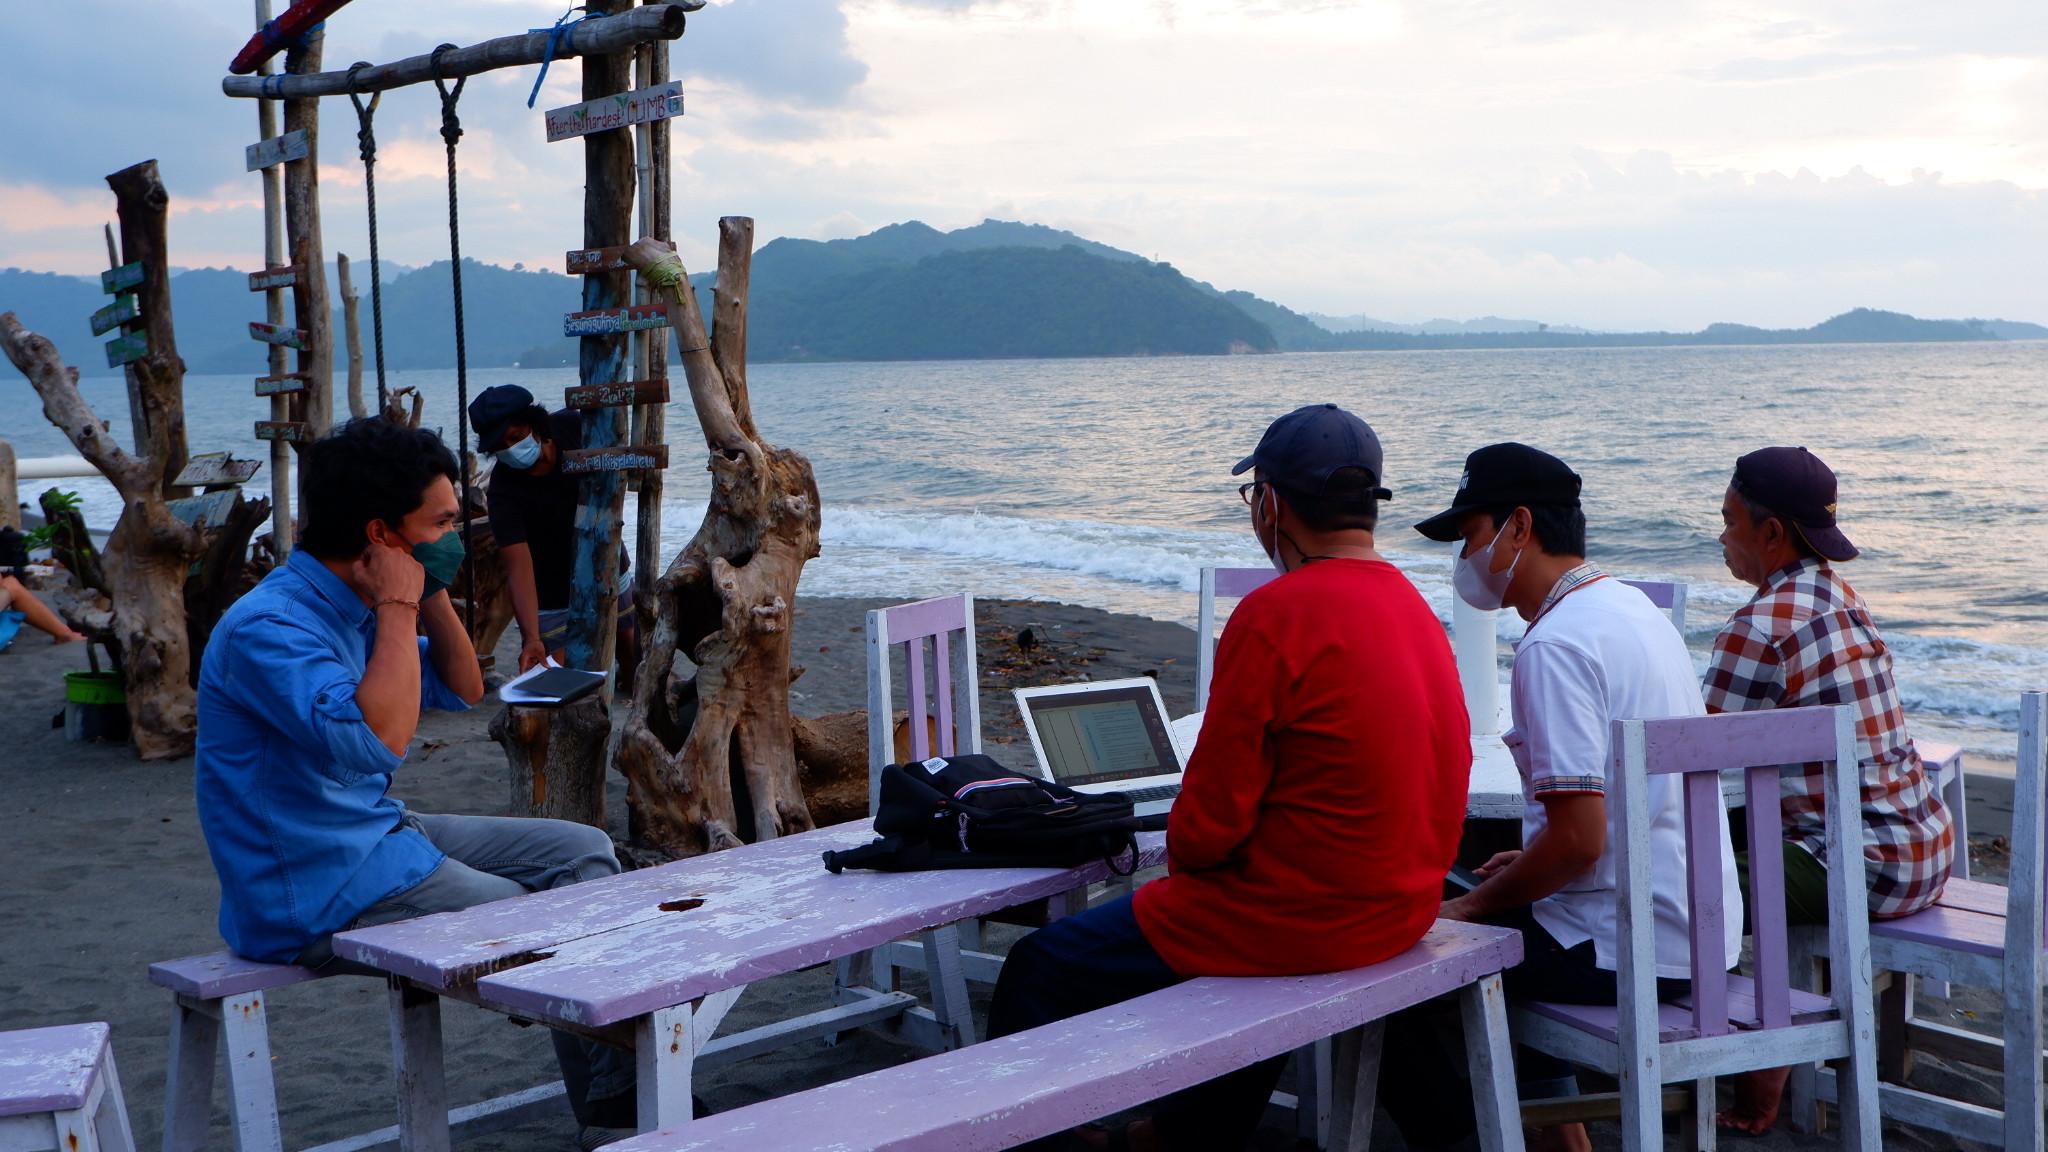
[547,686]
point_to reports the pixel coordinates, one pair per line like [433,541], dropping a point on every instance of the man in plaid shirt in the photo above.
[1807,639]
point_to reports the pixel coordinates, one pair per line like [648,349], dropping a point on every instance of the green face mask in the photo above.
[442,559]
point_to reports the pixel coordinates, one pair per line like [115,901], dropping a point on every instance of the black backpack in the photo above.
[971,812]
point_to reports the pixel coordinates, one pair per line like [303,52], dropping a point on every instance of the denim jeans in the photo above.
[491,858]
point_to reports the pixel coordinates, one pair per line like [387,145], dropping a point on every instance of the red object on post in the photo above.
[275,36]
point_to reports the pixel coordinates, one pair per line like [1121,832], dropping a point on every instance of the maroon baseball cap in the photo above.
[1800,489]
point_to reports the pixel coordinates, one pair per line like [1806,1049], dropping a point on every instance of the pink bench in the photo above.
[221,995]
[59,1091]
[1000,1093]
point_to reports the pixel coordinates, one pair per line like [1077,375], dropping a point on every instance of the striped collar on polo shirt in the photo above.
[1584,574]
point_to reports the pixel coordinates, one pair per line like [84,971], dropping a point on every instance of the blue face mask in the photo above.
[522,455]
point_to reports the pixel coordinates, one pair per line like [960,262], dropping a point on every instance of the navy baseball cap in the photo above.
[1799,488]
[496,407]
[1505,476]
[1303,449]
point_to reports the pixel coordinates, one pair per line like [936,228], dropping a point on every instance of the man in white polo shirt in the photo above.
[1596,651]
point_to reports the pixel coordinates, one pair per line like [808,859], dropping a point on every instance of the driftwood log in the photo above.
[723,770]
[146,559]
[353,323]
[10,492]
[223,574]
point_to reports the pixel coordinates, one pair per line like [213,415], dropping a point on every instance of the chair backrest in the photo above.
[1231,582]
[1666,594]
[949,683]
[2024,919]
[1760,744]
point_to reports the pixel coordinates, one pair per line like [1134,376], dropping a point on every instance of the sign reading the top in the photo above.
[627,108]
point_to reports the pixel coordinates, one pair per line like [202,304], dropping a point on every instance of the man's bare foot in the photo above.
[1758,1096]
[1562,1138]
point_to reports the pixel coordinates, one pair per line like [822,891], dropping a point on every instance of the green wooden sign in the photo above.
[121,279]
[127,348]
[121,311]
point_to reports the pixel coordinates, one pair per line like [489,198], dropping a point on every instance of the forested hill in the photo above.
[904,292]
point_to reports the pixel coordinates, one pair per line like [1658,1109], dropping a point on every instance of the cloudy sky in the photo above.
[1599,162]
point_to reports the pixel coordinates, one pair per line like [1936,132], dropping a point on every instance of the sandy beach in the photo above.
[103,871]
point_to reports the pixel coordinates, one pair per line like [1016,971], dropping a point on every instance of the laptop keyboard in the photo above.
[1147,795]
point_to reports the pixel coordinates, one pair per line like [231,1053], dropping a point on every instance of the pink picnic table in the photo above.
[653,958]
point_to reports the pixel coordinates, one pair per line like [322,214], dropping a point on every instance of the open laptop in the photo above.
[1105,736]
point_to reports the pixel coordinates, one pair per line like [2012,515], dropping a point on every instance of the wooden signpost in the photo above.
[282,385]
[287,431]
[616,395]
[294,338]
[627,458]
[117,280]
[127,348]
[278,150]
[209,510]
[285,277]
[212,469]
[587,260]
[640,106]
[120,312]
[611,321]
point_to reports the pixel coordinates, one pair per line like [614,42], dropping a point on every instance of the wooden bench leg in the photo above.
[1701,1133]
[110,1115]
[252,1093]
[1894,1008]
[75,1131]
[1313,1091]
[1490,1058]
[708,1013]
[188,1081]
[416,1068]
[1354,1085]
[1802,1107]
[2023,1079]
[948,986]
[664,1053]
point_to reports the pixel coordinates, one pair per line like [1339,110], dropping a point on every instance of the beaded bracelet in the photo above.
[412,604]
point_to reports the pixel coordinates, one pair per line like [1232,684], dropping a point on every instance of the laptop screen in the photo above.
[1097,735]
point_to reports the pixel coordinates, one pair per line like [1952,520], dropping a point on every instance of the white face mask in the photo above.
[1273,522]
[1475,582]
[522,455]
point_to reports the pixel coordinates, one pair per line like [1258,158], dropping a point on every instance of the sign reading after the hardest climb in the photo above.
[627,108]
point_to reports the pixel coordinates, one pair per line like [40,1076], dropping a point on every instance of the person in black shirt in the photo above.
[533,516]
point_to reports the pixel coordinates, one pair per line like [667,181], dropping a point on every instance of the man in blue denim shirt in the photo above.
[309,695]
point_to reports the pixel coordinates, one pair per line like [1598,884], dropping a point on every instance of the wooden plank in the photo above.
[281,385]
[640,106]
[582,462]
[208,510]
[289,431]
[210,468]
[277,150]
[584,261]
[616,395]
[127,348]
[121,279]
[294,338]
[285,277]
[121,311]
[611,321]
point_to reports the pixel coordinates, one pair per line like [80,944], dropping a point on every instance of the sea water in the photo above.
[1107,482]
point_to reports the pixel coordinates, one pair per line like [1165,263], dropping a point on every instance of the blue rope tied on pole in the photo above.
[564,28]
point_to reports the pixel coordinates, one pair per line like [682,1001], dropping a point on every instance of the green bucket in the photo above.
[93,688]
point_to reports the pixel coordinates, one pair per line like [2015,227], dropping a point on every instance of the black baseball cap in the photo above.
[1505,476]
[1303,449]
[495,408]
[1799,488]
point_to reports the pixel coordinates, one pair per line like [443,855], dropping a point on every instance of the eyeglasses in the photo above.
[1244,491]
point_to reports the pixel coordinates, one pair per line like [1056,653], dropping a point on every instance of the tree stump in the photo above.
[537,740]
[723,771]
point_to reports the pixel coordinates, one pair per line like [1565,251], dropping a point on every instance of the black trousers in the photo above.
[1421,1084]
[1099,958]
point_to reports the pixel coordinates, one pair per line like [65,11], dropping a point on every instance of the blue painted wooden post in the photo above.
[607,213]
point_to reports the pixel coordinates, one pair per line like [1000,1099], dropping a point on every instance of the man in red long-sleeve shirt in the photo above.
[1322,805]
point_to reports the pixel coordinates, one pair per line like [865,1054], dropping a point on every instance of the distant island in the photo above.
[999,289]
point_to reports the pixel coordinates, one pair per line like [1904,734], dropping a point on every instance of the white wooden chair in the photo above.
[59,1092]
[1226,582]
[1668,595]
[1990,937]
[1729,1023]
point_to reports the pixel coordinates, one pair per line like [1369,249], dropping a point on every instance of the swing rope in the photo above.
[366,140]
[451,131]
